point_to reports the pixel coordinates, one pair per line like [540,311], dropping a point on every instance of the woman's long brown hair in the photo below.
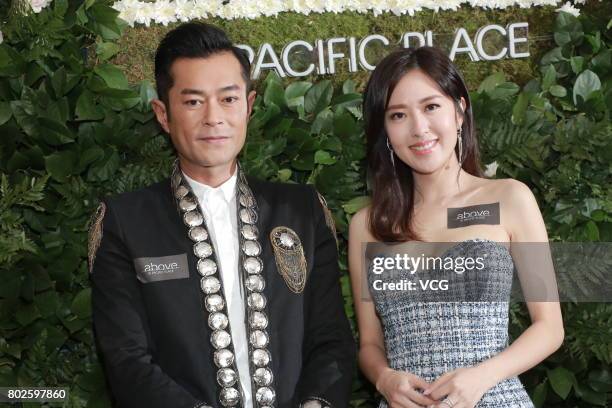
[392,205]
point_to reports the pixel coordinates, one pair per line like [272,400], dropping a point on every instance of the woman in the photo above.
[423,163]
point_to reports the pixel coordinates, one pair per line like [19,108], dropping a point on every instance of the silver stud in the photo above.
[265,395]
[206,267]
[244,189]
[226,377]
[248,216]
[229,397]
[218,321]
[260,357]
[210,285]
[286,240]
[198,234]
[223,358]
[180,192]
[262,376]
[258,339]
[220,339]
[256,301]
[255,283]
[214,303]
[188,203]
[202,249]
[193,218]
[252,265]
[249,231]
[177,178]
[246,200]
[251,248]
[258,320]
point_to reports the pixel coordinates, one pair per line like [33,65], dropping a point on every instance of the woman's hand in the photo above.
[460,388]
[401,389]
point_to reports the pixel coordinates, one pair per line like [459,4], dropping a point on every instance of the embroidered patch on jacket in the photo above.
[289,257]
[161,268]
[95,234]
[329,218]
[487,214]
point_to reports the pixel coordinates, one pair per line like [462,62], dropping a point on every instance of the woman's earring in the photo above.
[460,141]
[391,153]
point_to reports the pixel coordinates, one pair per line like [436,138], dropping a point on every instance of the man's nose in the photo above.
[212,115]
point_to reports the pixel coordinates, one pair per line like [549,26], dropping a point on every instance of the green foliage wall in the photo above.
[73,129]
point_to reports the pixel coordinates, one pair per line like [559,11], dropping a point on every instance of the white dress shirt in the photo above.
[219,208]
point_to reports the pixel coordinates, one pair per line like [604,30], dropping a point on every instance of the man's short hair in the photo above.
[193,40]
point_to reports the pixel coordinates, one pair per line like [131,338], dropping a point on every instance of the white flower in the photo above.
[491,169]
[168,11]
[165,12]
[38,5]
[568,8]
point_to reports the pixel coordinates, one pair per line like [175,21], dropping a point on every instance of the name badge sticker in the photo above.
[161,268]
[487,214]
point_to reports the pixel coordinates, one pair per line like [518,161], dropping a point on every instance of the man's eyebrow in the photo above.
[192,91]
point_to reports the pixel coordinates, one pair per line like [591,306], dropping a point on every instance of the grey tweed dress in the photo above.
[429,338]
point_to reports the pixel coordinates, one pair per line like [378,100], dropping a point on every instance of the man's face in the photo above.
[208,111]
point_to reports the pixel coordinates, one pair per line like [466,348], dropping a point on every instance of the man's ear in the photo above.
[161,114]
[250,102]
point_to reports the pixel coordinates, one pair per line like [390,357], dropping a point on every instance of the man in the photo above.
[212,288]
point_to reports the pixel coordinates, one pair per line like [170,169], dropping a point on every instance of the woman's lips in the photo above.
[424,147]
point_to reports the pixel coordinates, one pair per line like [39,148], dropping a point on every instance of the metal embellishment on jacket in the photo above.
[289,257]
[95,234]
[211,284]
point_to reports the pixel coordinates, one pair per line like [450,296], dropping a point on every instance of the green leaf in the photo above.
[275,94]
[27,313]
[318,97]
[491,82]
[577,64]
[586,84]
[284,175]
[539,394]
[54,133]
[558,91]
[5,112]
[520,107]
[60,164]
[356,204]
[323,157]
[86,108]
[550,76]
[592,231]
[297,89]
[147,94]
[106,50]
[81,305]
[112,76]
[104,22]
[504,90]
[349,87]
[561,381]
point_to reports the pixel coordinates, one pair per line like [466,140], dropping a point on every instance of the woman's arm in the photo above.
[545,334]
[397,387]
[523,220]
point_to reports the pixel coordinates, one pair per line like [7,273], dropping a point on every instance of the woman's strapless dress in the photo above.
[429,338]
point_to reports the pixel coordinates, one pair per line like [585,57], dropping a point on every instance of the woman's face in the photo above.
[422,123]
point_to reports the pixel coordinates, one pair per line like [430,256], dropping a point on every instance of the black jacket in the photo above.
[154,336]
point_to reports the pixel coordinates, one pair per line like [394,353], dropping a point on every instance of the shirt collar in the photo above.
[204,191]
